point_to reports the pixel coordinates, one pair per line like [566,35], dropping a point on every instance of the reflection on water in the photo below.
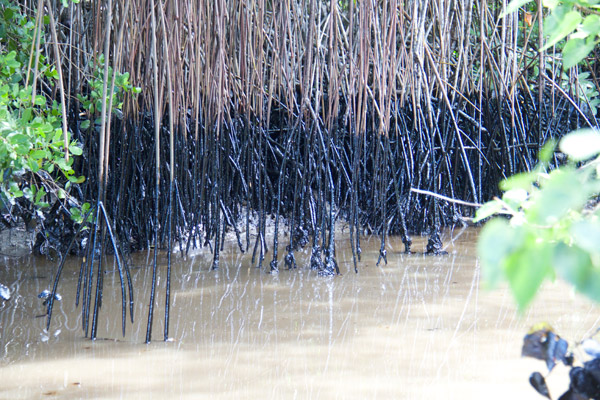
[420,327]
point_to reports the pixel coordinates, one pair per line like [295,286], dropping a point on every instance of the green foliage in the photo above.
[584,30]
[587,91]
[65,3]
[578,22]
[16,32]
[92,103]
[577,18]
[514,5]
[554,225]
[32,149]
[78,214]
[554,229]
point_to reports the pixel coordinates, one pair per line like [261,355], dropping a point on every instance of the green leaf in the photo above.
[33,165]
[591,24]
[575,266]
[560,26]
[581,144]
[497,241]
[122,79]
[586,233]
[576,50]
[58,136]
[62,164]
[40,193]
[551,4]
[561,193]
[76,215]
[523,180]
[18,139]
[52,74]
[547,151]
[14,190]
[513,6]
[75,150]
[85,124]
[488,209]
[40,100]
[11,62]
[527,268]
[38,154]
[27,115]
[515,197]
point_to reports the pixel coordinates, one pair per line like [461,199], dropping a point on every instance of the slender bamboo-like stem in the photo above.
[542,67]
[171,174]
[117,57]
[35,51]
[61,86]
[157,119]
[104,99]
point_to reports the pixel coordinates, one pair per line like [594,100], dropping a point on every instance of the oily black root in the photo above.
[305,176]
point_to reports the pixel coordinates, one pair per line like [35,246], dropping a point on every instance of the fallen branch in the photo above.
[439,196]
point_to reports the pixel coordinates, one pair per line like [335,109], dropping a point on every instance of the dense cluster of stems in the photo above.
[310,110]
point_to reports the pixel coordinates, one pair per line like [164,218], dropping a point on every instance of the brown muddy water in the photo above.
[419,328]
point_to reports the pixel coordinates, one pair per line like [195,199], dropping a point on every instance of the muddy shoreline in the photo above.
[16,242]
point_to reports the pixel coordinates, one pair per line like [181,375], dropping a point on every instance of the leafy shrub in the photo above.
[33,163]
[32,149]
[554,227]
[573,28]
[92,103]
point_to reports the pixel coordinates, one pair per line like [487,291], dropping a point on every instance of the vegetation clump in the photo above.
[554,224]
[36,153]
[38,179]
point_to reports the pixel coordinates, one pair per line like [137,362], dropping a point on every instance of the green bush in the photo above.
[32,149]
[554,224]
[33,162]
[92,103]
[572,27]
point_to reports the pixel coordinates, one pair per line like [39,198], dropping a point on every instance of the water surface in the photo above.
[420,327]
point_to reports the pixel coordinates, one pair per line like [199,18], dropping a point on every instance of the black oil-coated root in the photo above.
[319,115]
[313,180]
[103,224]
